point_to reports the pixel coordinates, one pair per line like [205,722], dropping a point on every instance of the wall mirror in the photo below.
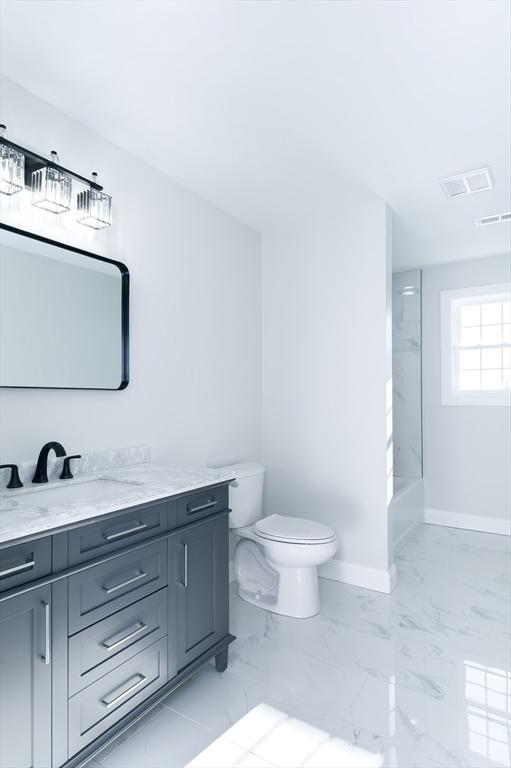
[64,319]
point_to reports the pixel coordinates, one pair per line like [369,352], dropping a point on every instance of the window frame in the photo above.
[450,302]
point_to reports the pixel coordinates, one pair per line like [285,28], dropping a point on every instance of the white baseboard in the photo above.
[377,579]
[470,522]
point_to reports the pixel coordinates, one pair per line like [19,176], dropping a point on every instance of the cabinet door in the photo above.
[201,560]
[25,680]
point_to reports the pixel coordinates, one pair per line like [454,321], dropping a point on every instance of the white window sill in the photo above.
[502,399]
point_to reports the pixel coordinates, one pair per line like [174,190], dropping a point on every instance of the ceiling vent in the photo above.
[496,218]
[468,183]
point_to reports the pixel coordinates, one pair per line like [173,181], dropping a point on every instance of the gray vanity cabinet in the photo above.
[201,559]
[25,680]
[119,613]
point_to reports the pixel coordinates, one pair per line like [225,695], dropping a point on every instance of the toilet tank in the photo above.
[245,494]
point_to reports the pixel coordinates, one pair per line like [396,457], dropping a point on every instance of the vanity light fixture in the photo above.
[51,187]
[94,207]
[12,168]
[51,184]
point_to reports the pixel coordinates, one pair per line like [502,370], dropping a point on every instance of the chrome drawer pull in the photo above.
[47,638]
[127,532]
[17,569]
[202,507]
[129,690]
[185,580]
[110,646]
[140,575]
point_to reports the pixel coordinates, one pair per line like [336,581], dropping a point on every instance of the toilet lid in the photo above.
[293,529]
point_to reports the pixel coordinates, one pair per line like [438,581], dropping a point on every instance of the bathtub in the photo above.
[406,509]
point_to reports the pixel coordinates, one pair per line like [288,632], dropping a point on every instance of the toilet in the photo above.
[276,557]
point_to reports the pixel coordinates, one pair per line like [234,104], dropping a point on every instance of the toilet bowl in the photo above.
[276,557]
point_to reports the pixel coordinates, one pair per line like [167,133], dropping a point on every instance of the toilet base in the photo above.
[297,593]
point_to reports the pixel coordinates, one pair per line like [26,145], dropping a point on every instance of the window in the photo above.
[476,345]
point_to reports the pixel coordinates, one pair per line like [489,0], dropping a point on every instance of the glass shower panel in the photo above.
[407,373]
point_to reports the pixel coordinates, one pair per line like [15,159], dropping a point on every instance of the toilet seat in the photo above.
[293,530]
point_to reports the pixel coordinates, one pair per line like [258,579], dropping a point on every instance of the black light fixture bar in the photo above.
[33,162]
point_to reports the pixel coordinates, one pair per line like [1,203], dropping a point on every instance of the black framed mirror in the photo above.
[64,315]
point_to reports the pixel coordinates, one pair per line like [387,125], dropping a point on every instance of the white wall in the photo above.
[195,347]
[326,363]
[467,450]
[195,389]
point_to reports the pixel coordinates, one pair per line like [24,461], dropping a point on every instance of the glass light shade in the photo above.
[51,190]
[12,170]
[94,209]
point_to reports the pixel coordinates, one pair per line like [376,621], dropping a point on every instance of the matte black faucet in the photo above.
[14,481]
[41,471]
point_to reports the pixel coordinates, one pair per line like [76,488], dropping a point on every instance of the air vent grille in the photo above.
[468,183]
[496,218]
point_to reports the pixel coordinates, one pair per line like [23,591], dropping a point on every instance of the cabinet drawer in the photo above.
[107,536]
[24,562]
[98,707]
[99,649]
[202,504]
[99,591]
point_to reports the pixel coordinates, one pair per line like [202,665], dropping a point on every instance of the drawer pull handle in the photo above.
[17,569]
[202,507]
[185,579]
[112,702]
[46,657]
[110,646]
[140,575]
[127,532]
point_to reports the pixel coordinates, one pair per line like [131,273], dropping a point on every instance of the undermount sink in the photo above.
[86,491]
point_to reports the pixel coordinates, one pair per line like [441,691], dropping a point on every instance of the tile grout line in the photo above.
[190,719]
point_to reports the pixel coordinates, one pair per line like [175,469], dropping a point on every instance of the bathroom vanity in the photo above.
[114,584]
[113,590]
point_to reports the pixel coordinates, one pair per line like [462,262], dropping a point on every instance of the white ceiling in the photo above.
[260,105]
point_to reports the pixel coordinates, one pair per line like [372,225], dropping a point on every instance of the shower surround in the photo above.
[407,373]
[407,506]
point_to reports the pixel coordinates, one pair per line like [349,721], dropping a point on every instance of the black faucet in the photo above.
[14,481]
[66,473]
[41,471]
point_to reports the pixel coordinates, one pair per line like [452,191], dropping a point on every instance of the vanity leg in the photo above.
[221,660]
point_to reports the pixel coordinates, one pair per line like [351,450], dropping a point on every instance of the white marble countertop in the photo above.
[21,518]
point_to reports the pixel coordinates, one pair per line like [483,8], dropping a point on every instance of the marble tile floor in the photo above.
[421,677]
